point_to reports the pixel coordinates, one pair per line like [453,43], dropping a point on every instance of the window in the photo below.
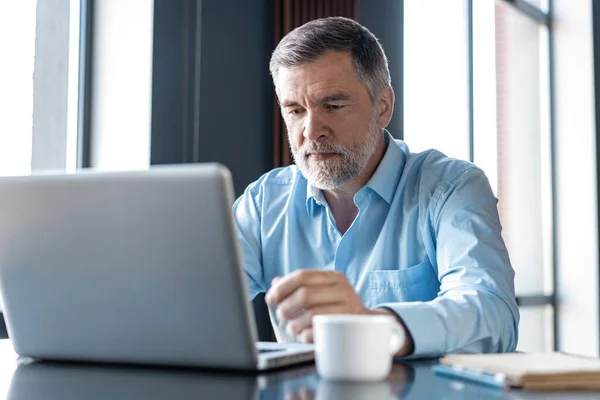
[477,87]
[38,85]
[435,77]
[523,163]
[17,37]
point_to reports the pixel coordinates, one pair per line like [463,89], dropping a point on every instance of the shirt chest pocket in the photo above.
[416,283]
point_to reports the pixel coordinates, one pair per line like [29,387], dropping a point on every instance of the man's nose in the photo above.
[314,127]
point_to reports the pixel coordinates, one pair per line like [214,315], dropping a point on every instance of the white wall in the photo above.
[17,45]
[576,223]
[73,86]
[485,136]
[521,196]
[436,104]
[121,91]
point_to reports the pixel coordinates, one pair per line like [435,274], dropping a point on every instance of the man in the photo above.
[360,224]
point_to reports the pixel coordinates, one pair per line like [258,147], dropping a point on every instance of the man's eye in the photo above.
[334,106]
[296,111]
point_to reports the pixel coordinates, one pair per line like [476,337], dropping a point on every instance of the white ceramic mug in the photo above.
[356,347]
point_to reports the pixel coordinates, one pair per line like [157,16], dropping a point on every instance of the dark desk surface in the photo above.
[410,380]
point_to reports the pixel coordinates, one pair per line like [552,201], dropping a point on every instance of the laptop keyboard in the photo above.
[269,350]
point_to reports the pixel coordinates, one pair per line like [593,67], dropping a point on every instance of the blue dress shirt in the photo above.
[426,243]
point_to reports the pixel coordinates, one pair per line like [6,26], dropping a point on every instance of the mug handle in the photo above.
[397,338]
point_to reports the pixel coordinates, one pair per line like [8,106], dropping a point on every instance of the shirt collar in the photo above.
[387,175]
[314,197]
[384,180]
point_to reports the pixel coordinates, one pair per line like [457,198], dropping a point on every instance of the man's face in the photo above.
[332,124]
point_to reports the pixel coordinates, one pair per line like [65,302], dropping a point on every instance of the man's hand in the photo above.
[303,294]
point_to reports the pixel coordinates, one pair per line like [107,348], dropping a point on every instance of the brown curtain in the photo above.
[290,14]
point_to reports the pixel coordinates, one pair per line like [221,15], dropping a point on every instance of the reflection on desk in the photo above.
[309,386]
[408,380]
[64,381]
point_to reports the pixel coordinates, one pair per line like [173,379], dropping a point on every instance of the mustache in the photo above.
[322,147]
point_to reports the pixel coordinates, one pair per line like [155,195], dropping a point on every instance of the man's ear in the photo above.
[385,107]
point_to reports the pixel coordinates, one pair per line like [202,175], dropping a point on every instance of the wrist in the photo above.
[408,346]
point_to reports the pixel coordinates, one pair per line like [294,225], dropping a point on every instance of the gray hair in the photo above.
[312,40]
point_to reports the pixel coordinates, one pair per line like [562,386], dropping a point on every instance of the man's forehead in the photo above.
[330,66]
[318,90]
[326,66]
[299,80]
[297,85]
[333,93]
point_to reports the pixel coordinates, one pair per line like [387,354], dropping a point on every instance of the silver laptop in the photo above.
[129,267]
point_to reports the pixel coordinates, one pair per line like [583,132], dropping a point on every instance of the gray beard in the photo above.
[336,171]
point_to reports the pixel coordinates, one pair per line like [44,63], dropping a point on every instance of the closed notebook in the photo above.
[533,371]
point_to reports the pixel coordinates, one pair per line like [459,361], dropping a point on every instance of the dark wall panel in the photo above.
[385,19]
[211,88]
[175,81]
[236,93]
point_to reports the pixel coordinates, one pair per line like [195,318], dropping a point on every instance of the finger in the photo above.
[268,295]
[297,325]
[304,277]
[275,280]
[306,336]
[307,297]
[307,394]
[289,283]
[292,396]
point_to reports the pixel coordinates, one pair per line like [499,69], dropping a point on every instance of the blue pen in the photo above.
[472,375]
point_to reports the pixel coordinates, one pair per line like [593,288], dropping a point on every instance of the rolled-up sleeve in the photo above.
[246,217]
[475,310]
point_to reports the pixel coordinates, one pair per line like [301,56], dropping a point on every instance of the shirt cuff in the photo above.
[424,325]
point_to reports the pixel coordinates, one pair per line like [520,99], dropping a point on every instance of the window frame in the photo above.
[541,18]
